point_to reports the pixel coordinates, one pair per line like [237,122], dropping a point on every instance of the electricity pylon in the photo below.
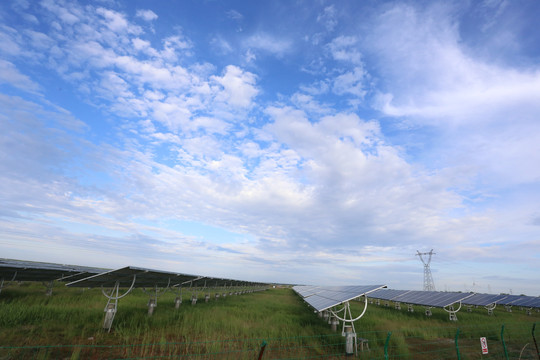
[429,285]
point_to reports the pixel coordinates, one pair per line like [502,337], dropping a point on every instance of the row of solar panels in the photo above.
[325,297]
[81,276]
[445,299]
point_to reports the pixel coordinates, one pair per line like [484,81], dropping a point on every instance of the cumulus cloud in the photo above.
[344,48]
[146,15]
[238,86]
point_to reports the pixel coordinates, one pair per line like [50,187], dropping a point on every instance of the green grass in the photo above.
[68,325]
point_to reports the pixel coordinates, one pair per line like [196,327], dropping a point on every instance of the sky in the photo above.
[305,142]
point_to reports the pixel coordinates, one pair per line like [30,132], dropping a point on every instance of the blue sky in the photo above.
[310,142]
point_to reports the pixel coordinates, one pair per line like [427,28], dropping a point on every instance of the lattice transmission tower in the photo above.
[429,285]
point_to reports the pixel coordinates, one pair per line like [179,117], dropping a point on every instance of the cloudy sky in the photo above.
[310,142]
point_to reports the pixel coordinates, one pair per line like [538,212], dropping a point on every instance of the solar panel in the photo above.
[325,297]
[387,294]
[509,299]
[483,299]
[432,298]
[18,270]
[143,278]
[305,290]
[527,301]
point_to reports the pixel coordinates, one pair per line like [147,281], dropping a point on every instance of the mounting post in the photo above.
[452,312]
[9,281]
[112,303]
[156,292]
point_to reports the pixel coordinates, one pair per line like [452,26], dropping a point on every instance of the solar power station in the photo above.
[332,303]
[115,284]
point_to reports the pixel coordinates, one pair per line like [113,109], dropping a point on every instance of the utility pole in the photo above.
[429,285]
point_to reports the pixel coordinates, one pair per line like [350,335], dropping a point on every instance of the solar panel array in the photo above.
[445,299]
[483,299]
[18,270]
[83,276]
[425,298]
[125,276]
[325,297]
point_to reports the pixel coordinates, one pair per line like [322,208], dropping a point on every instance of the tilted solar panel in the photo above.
[387,294]
[19,270]
[432,298]
[305,290]
[527,301]
[509,299]
[143,278]
[329,296]
[483,299]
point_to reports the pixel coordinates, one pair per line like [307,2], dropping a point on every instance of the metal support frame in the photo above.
[112,303]
[397,305]
[178,299]
[49,287]
[452,312]
[8,282]
[428,311]
[490,308]
[410,308]
[347,330]
[154,295]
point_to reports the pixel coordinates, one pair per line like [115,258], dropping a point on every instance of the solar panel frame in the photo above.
[327,297]
[527,301]
[387,294]
[438,299]
[143,278]
[509,299]
[306,290]
[19,270]
[479,299]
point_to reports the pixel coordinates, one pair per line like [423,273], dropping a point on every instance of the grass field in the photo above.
[68,325]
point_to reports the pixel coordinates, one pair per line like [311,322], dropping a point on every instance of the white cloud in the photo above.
[345,48]
[117,22]
[268,43]
[146,15]
[235,15]
[328,17]
[67,13]
[485,114]
[9,74]
[222,45]
[351,82]
[238,86]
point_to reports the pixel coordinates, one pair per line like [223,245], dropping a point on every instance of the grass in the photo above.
[68,325]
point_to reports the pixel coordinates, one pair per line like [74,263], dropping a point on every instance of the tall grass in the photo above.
[68,324]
